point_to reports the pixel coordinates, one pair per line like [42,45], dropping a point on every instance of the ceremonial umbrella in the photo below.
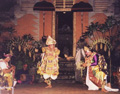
[44,6]
[82,7]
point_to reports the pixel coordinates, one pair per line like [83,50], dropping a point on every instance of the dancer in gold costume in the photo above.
[7,71]
[49,67]
[97,76]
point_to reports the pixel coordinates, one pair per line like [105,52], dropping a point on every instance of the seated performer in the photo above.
[49,67]
[96,72]
[23,75]
[8,72]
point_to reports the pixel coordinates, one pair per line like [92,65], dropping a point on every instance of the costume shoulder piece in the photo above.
[57,51]
[44,49]
[94,53]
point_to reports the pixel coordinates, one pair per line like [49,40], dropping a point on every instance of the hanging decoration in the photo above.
[101,45]
[101,42]
[105,47]
[96,47]
[19,47]
[30,54]
[24,49]
[25,44]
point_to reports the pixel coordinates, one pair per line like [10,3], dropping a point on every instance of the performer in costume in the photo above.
[49,67]
[23,76]
[79,59]
[96,72]
[8,71]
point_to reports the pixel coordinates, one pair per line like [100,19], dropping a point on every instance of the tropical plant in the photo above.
[27,38]
[110,38]
[4,29]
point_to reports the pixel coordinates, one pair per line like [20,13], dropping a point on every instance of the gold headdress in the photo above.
[50,41]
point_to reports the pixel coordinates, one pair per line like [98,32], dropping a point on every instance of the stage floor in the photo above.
[58,88]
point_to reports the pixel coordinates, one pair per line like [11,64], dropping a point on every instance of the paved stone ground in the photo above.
[58,88]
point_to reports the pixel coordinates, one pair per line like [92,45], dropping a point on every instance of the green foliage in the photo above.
[3,29]
[19,59]
[27,38]
[103,28]
[106,30]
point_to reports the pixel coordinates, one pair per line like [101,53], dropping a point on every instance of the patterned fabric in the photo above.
[3,81]
[9,78]
[6,80]
[49,62]
[96,75]
[102,64]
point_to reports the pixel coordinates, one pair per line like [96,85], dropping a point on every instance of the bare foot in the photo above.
[45,81]
[49,86]
[104,90]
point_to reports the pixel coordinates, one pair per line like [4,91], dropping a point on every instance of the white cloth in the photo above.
[46,76]
[78,73]
[89,83]
[111,89]
[79,54]
[3,65]
[92,86]
[15,82]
